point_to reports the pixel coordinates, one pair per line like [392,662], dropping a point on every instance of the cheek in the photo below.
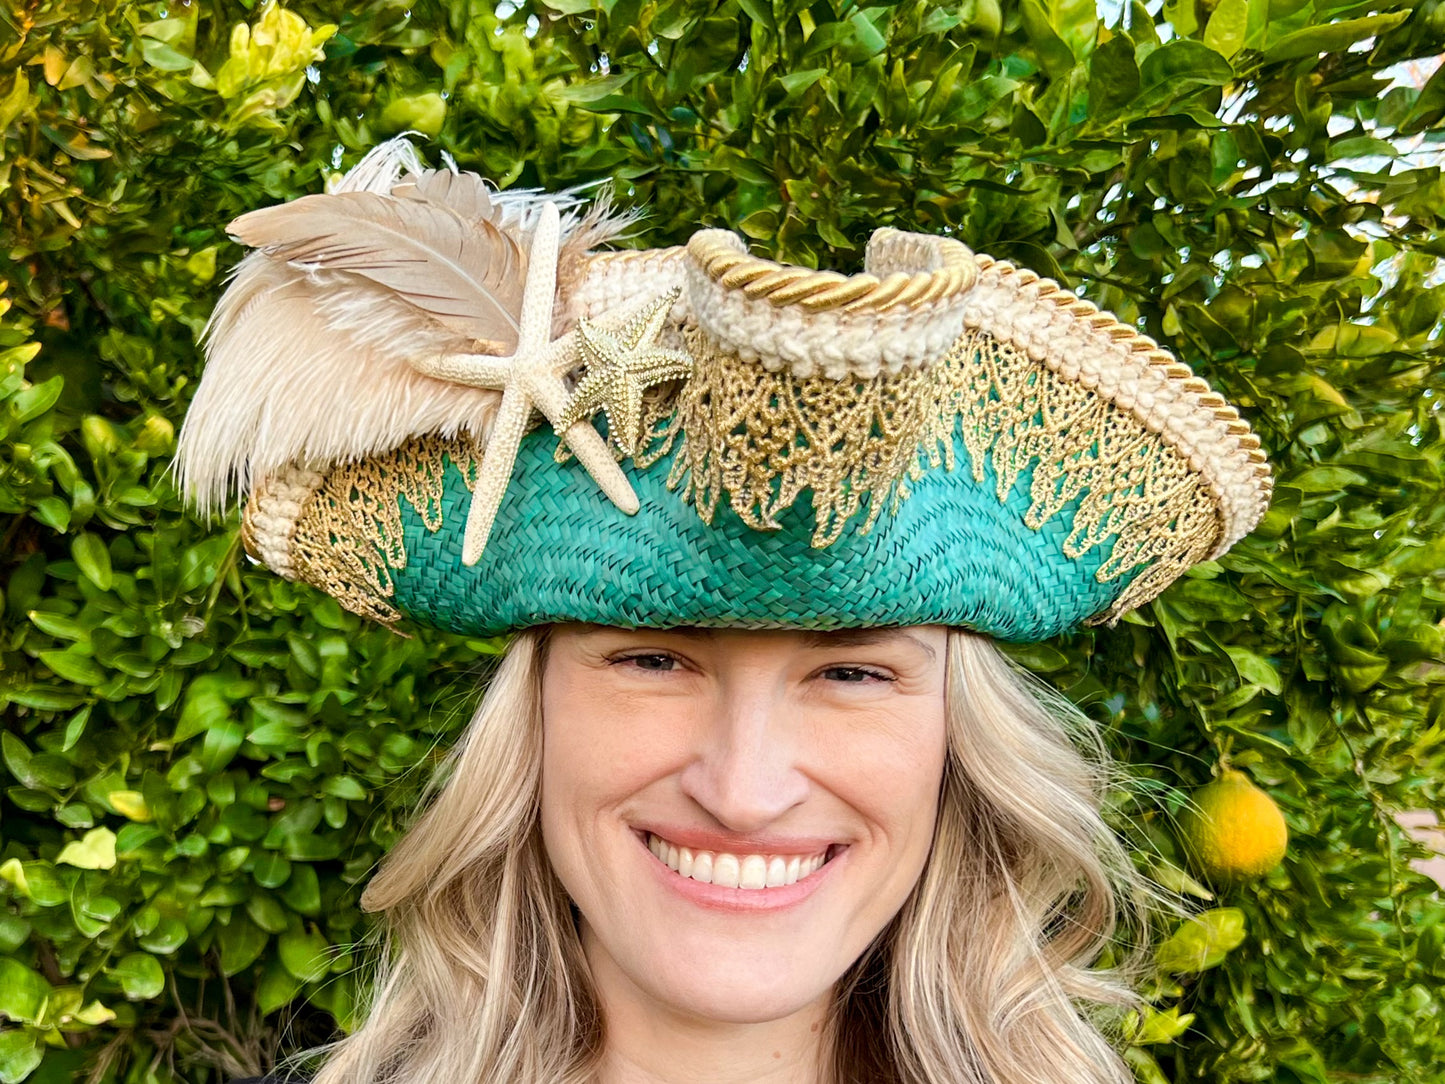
[599,750]
[892,775]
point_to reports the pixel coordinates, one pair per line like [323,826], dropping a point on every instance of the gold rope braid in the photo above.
[717,254]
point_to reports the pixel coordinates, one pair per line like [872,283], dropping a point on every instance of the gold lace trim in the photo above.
[348,538]
[764,437]
[1131,484]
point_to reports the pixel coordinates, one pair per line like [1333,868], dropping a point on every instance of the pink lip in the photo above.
[740,900]
[719,842]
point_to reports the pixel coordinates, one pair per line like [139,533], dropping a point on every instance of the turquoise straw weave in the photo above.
[560,551]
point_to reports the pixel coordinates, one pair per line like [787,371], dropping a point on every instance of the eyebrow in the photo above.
[815,638]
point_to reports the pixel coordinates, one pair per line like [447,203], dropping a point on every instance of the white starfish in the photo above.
[531,377]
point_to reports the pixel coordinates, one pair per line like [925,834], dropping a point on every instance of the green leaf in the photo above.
[1202,942]
[93,559]
[17,758]
[1184,63]
[160,55]
[241,943]
[1113,77]
[1162,1027]
[222,741]
[14,102]
[140,976]
[305,953]
[1227,27]
[71,665]
[63,628]
[594,90]
[267,913]
[23,993]
[204,706]
[19,1055]
[344,786]
[278,987]
[302,893]
[1181,16]
[1332,38]
[35,401]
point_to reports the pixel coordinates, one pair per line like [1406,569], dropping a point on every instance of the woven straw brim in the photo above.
[952,554]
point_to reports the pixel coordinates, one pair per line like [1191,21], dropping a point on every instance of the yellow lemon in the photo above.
[1233,830]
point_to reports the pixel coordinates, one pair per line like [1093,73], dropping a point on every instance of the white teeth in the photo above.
[725,870]
[777,871]
[749,871]
[754,872]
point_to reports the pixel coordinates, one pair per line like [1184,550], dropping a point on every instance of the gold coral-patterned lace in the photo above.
[1131,484]
[348,538]
[763,437]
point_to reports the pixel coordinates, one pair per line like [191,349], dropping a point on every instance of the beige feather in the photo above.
[308,349]
[313,369]
[466,273]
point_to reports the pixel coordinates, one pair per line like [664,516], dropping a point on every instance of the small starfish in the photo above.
[530,377]
[621,365]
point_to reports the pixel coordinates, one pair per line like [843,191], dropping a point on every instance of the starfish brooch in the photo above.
[532,377]
[622,363]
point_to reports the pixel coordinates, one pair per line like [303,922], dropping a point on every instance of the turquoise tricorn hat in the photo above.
[446,406]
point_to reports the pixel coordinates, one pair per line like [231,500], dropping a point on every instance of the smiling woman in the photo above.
[753,796]
[752,856]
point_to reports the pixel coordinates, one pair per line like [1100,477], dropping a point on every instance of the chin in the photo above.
[732,998]
[731,981]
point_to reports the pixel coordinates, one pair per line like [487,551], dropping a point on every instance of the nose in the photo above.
[745,769]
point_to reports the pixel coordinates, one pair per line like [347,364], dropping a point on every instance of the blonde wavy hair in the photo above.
[988,974]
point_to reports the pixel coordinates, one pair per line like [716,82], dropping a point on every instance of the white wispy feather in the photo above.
[307,350]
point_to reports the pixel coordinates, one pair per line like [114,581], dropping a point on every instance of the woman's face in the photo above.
[737,814]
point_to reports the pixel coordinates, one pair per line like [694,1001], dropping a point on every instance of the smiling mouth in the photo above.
[746,871]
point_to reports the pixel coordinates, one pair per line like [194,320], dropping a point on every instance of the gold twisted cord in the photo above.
[717,255]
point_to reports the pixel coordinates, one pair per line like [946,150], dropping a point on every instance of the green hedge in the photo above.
[202,763]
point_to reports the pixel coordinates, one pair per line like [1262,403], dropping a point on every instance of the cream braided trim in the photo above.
[269,518]
[605,281]
[1081,344]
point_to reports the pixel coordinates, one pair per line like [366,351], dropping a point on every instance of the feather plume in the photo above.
[313,369]
[466,273]
[308,349]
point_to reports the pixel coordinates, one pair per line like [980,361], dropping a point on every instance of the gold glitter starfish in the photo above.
[529,378]
[621,365]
